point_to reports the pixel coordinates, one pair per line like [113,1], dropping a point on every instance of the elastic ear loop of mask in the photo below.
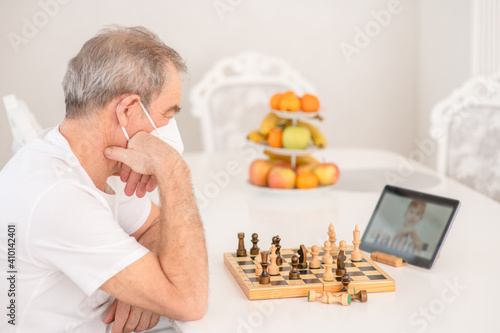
[123,128]
[149,117]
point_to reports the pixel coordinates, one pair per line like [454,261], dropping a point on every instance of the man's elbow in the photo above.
[192,308]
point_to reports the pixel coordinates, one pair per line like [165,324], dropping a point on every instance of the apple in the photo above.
[259,170]
[280,177]
[305,167]
[327,173]
[296,137]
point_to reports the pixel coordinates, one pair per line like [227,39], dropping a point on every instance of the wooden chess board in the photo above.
[364,275]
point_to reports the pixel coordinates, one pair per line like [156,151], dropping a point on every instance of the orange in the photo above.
[309,103]
[275,101]
[274,138]
[306,179]
[289,102]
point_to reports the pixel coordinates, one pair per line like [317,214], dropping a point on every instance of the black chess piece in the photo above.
[341,257]
[264,277]
[241,251]
[345,282]
[276,241]
[302,257]
[255,249]
[294,273]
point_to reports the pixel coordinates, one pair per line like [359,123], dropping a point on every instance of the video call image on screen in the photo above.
[407,225]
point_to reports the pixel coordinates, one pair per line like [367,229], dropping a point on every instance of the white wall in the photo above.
[444,57]
[372,101]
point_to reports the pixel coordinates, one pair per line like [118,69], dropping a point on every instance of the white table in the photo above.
[459,294]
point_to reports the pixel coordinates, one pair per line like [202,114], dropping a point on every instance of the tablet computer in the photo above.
[409,224]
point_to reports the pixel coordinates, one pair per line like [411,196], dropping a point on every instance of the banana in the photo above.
[256,136]
[268,123]
[317,137]
[300,159]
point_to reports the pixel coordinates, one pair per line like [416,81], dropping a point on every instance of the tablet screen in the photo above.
[409,224]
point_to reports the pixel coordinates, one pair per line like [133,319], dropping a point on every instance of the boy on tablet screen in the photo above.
[412,217]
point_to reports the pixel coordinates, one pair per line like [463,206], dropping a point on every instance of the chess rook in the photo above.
[241,252]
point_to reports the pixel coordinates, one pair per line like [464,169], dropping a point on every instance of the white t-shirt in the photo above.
[70,238]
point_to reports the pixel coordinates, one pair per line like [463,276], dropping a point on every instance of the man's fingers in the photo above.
[155,319]
[117,154]
[125,173]
[152,184]
[133,319]
[141,187]
[110,316]
[121,317]
[144,321]
[132,182]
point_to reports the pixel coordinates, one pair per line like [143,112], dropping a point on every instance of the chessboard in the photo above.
[364,275]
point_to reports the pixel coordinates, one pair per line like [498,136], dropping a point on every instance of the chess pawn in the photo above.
[361,296]
[273,268]
[315,263]
[328,275]
[344,299]
[255,249]
[332,237]
[241,252]
[345,282]
[327,250]
[294,273]
[258,267]
[264,277]
[313,296]
[356,253]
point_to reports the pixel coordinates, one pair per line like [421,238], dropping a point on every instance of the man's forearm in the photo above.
[150,239]
[182,251]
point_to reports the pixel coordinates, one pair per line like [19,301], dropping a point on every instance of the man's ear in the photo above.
[126,107]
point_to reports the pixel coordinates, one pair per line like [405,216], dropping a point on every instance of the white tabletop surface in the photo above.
[459,294]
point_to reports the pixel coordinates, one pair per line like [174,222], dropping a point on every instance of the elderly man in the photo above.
[91,249]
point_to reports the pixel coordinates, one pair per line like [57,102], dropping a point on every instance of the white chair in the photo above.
[233,96]
[23,124]
[466,128]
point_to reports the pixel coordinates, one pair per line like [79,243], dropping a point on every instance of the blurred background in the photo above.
[376,91]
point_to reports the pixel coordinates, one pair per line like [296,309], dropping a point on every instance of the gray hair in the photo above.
[118,60]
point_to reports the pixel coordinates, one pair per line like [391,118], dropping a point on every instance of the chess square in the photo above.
[367,268]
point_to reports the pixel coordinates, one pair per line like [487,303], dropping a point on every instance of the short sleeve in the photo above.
[132,211]
[73,230]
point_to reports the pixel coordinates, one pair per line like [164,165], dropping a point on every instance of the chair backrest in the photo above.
[23,124]
[466,127]
[233,96]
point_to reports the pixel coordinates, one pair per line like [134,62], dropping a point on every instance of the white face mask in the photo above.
[168,133]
